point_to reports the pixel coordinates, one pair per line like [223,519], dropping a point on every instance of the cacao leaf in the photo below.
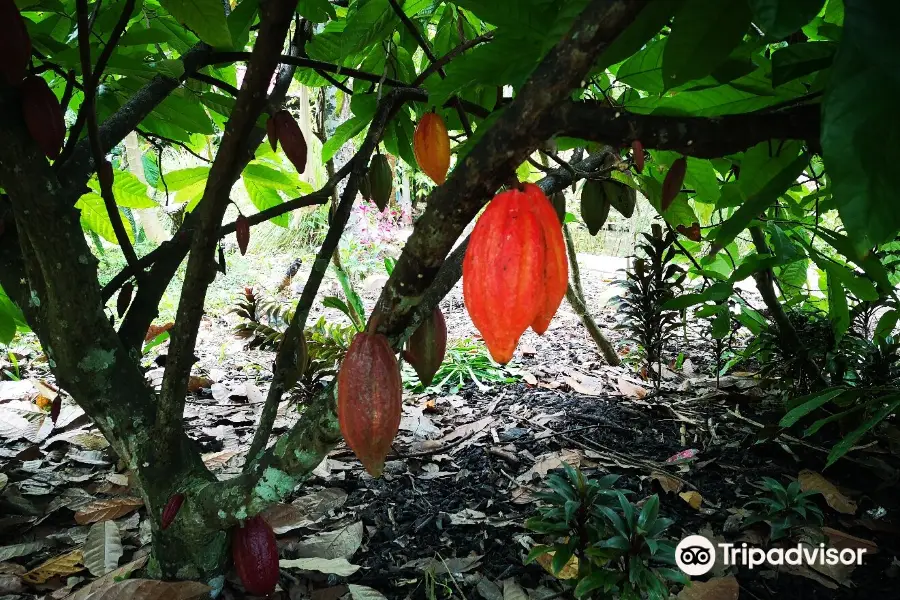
[103,548]
[104,510]
[102,583]
[63,565]
[595,206]
[559,205]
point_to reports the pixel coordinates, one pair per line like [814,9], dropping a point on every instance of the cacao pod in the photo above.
[381,181]
[365,188]
[672,184]
[621,197]
[426,348]
[15,44]
[124,298]
[637,150]
[272,132]
[55,408]
[369,399]
[242,233]
[431,145]
[105,175]
[556,267]
[692,233]
[514,271]
[255,555]
[292,141]
[559,205]
[595,205]
[43,116]
[170,510]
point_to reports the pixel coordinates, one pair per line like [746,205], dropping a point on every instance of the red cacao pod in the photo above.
[43,116]
[431,145]
[15,44]
[124,298]
[637,149]
[673,181]
[170,510]
[504,271]
[292,141]
[242,233]
[426,348]
[370,399]
[255,555]
[272,132]
[556,266]
[55,408]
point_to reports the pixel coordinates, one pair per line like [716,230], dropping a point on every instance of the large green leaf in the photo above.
[886,406]
[275,179]
[264,197]
[647,24]
[644,69]
[798,60]
[838,311]
[763,162]
[204,17]
[239,22]
[860,128]
[182,178]
[95,218]
[703,35]
[130,192]
[780,18]
[316,11]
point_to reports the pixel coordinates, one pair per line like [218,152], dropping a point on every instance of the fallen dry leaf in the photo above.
[841,540]
[569,570]
[43,402]
[64,565]
[551,460]
[150,589]
[196,383]
[810,481]
[693,498]
[718,588]
[331,566]
[668,483]
[155,330]
[100,583]
[104,510]
[631,390]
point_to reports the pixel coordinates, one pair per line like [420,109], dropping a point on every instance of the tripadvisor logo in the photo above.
[695,555]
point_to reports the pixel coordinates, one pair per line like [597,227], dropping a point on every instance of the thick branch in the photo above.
[703,137]
[275,20]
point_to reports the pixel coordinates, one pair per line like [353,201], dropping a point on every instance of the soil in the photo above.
[447,517]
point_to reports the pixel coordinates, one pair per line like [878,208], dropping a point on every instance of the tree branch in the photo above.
[442,61]
[225,87]
[233,151]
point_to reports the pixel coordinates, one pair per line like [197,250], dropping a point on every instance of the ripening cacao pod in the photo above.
[515,271]
[272,132]
[15,44]
[43,116]
[673,181]
[381,181]
[431,145]
[637,150]
[369,399]
[426,347]
[124,298]
[242,233]
[105,175]
[170,510]
[292,141]
[255,555]
[595,205]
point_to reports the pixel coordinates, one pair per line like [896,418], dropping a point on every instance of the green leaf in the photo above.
[536,552]
[95,218]
[264,197]
[763,162]
[182,178]
[130,192]
[343,133]
[335,302]
[703,35]
[286,181]
[799,60]
[838,311]
[807,404]
[649,512]
[596,580]
[859,145]
[645,26]
[888,405]
[780,18]
[7,328]
[643,70]
[886,324]
[316,11]
[206,18]
[239,22]
[716,292]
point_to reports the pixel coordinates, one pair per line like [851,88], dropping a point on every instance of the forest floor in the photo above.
[447,517]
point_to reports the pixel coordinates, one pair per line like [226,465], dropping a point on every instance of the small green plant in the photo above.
[653,281]
[621,550]
[784,508]
[466,360]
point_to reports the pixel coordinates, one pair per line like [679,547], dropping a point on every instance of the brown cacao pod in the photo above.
[595,205]
[272,132]
[242,233]
[105,175]
[369,399]
[515,271]
[637,150]
[426,348]
[15,44]
[170,510]
[431,145]
[255,555]
[673,182]
[381,181]
[124,298]
[292,141]
[55,408]
[43,116]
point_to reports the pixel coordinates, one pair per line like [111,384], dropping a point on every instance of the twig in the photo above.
[442,61]
[154,139]
[225,87]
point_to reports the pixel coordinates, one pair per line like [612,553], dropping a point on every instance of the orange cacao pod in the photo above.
[556,267]
[43,116]
[505,268]
[242,233]
[426,347]
[292,141]
[170,511]
[637,149]
[272,132]
[255,555]
[369,399]
[673,181]
[15,44]
[124,298]
[431,145]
